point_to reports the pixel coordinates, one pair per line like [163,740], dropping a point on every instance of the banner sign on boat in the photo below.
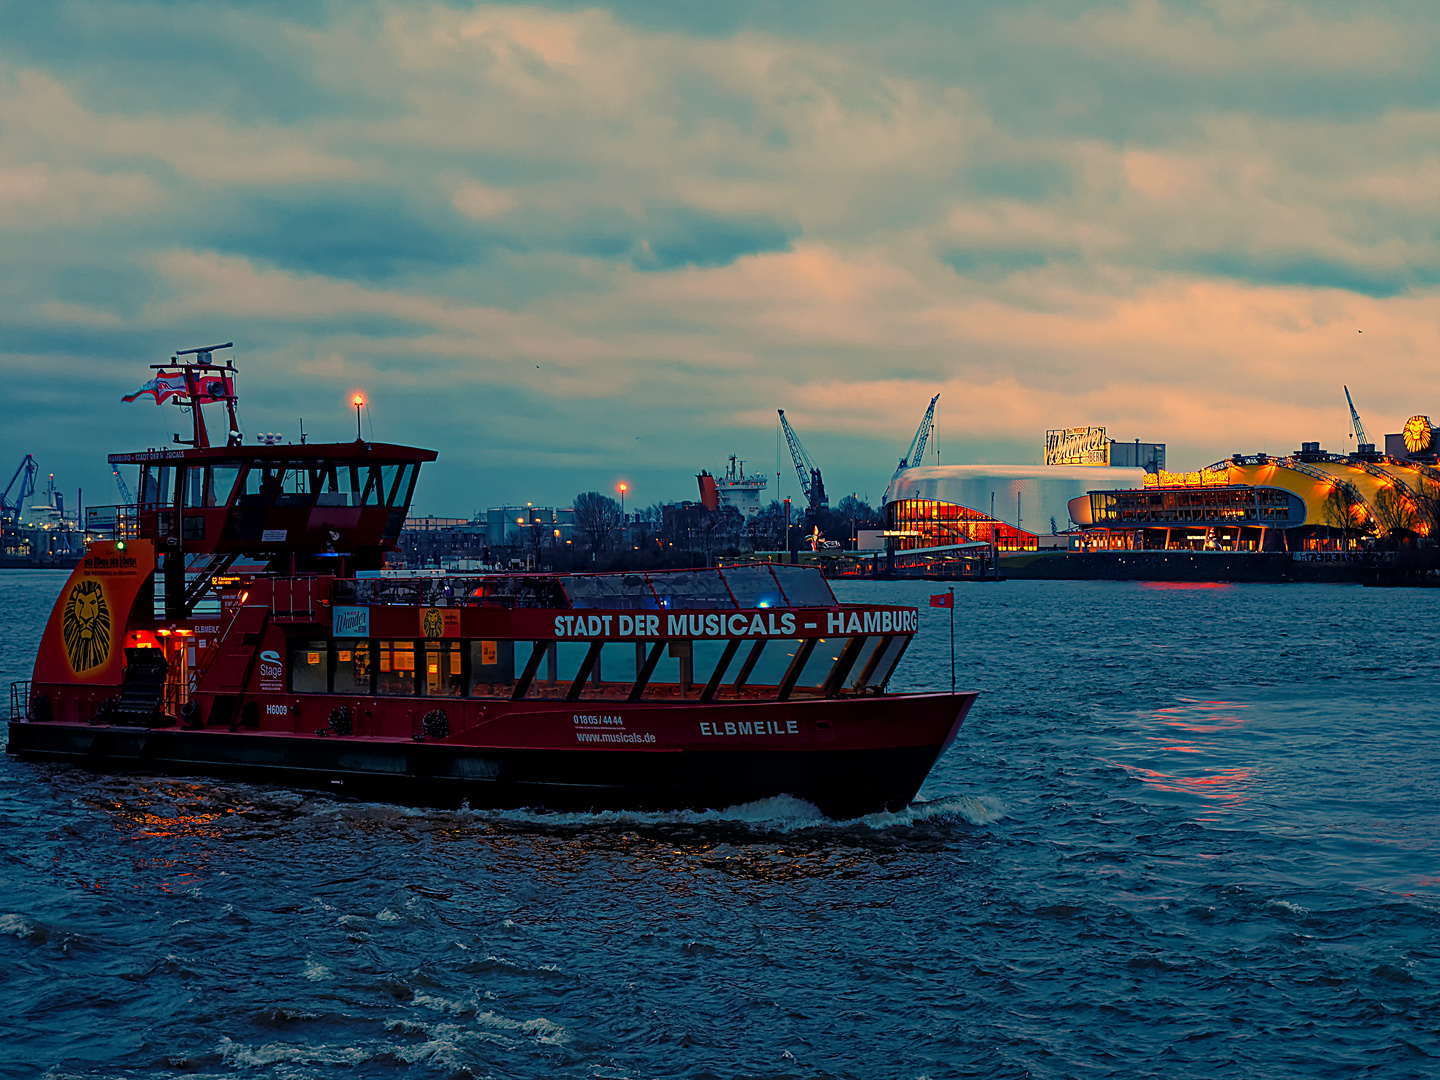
[272,671]
[440,622]
[749,624]
[350,622]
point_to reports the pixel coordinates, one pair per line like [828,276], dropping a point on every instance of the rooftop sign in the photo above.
[1077,446]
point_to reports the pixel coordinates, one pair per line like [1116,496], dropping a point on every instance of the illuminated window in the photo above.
[396,668]
[444,670]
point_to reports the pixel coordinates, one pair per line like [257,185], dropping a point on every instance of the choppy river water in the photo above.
[1186,832]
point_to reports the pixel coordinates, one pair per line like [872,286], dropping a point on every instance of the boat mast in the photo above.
[196,391]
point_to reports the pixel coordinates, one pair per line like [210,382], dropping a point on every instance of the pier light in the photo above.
[358,400]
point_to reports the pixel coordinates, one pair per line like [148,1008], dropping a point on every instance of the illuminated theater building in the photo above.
[1310,500]
[935,505]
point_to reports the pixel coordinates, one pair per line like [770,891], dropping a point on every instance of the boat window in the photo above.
[390,477]
[222,483]
[196,486]
[754,586]
[155,483]
[558,670]
[685,668]
[294,486]
[692,589]
[819,664]
[492,667]
[805,586]
[862,662]
[770,666]
[705,656]
[396,674]
[444,674]
[613,675]
[208,486]
[332,485]
[623,592]
[889,657]
[673,674]
[404,483]
[310,667]
[372,493]
[261,483]
[354,668]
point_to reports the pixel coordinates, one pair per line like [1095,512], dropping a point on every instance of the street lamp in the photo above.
[359,401]
[623,488]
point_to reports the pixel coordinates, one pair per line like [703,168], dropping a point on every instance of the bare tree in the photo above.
[596,517]
[1427,509]
[1394,513]
[1343,510]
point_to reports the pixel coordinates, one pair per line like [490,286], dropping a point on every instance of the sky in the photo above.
[571,245]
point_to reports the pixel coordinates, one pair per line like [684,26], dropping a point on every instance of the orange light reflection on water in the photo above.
[1222,784]
[1185,586]
[1175,729]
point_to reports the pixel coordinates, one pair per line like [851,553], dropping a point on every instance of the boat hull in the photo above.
[841,767]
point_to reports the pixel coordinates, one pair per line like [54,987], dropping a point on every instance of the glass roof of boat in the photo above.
[749,586]
[756,585]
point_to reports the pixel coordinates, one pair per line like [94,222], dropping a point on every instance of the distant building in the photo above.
[512,526]
[1309,500]
[1091,447]
[1020,495]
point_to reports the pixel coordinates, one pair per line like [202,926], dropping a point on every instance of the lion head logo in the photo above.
[433,625]
[85,626]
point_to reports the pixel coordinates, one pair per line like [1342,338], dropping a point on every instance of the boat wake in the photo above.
[781,813]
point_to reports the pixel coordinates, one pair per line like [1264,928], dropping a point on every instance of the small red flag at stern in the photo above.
[943,599]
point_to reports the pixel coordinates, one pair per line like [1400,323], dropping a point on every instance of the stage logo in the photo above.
[85,626]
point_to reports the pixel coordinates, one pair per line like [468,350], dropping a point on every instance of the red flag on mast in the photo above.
[943,599]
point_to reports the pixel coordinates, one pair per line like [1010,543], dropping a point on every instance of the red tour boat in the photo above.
[239,621]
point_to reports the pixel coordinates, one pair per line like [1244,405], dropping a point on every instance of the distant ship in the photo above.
[733,489]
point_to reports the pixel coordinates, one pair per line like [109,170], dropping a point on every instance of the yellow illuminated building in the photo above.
[1309,500]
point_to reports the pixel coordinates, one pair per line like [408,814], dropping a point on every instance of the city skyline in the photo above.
[569,247]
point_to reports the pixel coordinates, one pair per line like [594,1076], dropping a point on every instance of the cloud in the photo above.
[576,241]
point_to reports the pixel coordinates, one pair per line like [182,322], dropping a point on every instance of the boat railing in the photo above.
[512,591]
[112,522]
[294,599]
[19,700]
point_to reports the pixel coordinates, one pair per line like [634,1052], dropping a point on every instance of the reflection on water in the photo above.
[1183,586]
[1150,852]
[1192,729]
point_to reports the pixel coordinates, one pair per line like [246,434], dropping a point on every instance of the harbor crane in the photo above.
[1363,445]
[805,468]
[916,453]
[124,487]
[25,474]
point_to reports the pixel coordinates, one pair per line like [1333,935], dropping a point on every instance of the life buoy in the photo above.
[435,724]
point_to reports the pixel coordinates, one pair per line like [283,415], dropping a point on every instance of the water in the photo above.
[1186,832]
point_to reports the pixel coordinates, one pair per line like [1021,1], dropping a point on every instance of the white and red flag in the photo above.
[165,384]
[208,389]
